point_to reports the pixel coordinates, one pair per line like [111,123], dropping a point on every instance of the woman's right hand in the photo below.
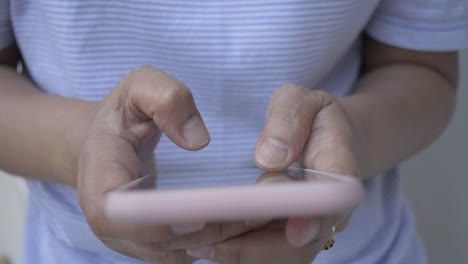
[118,148]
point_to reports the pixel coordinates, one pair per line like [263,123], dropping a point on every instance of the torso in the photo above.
[232,55]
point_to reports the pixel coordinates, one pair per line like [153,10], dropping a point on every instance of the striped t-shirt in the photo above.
[232,54]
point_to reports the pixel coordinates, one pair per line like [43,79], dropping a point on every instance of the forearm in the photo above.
[40,134]
[397,110]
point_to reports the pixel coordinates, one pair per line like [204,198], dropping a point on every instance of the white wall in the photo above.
[436,181]
[12,204]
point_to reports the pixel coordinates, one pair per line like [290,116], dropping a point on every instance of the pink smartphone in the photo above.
[219,196]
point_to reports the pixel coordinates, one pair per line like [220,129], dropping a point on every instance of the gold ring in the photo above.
[331,240]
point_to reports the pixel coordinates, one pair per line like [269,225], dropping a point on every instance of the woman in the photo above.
[364,85]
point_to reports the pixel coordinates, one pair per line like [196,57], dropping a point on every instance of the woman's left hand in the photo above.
[302,125]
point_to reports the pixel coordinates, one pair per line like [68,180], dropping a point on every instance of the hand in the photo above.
[312,127]
[118,148]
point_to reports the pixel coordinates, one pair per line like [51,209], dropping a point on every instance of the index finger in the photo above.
[123,135]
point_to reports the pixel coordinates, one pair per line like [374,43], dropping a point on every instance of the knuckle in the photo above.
[170,97]
[231,256]
[235,257]
[290,91]
[182,92]
[239,257]
[225,231]
[320,93]
[159,246]
[292,87]
[321,97]
[217,232]
[294,115]
[174,257]
[145,70]
[137,76]
[155,234]
[141,233]
[285,117]
[230,230]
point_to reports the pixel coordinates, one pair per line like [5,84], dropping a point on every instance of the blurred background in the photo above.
[436,182]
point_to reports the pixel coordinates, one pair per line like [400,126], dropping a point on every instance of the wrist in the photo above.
[359,129]
[64,165]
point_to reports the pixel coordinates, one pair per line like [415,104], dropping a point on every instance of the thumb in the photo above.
[288,125]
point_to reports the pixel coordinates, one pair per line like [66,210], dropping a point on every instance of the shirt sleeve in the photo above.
[6,30]
[427,25]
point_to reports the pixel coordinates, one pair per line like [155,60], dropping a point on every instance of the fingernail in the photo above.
[272,153]
[309,234]
[195,132]
[276,179]
[207,252]
[185,229]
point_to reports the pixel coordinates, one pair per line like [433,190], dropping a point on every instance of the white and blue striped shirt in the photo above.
[232,54]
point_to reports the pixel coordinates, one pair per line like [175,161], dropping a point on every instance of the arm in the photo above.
[99,147]
[40,134]
[403,101]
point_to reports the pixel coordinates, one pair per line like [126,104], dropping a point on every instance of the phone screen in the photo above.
[226,178]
